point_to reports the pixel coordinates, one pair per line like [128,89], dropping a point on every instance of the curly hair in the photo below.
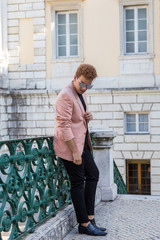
[87,70]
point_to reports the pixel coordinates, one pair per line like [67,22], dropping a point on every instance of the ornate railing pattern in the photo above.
[121,187]
[33,185]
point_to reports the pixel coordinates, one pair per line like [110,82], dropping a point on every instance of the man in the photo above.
[72,144]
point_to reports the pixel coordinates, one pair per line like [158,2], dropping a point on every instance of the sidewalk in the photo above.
[129,217]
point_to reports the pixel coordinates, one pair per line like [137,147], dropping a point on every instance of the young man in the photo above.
[72,144]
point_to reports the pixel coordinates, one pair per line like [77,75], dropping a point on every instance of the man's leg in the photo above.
[76,175]
[92,176]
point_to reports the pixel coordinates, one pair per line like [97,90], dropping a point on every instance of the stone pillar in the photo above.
[103,156]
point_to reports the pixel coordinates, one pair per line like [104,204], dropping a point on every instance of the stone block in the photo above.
[115,123]
[26,75]
[39,52]
[155,107]
[49,131]
[156,154]
[119,130]
[137,138]
[125,99]
[155,138]
[13,30]
[38,5]
[111,107]
[16,68]
[13,38]
[14,75]
[102,115]
[150,98]
[39,44]
[119,162]
[13,23]
[148,146]
[155,179]
[137,154]
[155,130]
[40,74]
[101,99]
[156,163]
[136,107]
[12,45]
[36,116]
[39,59]
[13,60]
[15,15]
[34,131]
[35,13]
[155,114]
[49,116]
[12,124]
[126,107]
[125,146]
[25,7]
[15,1]
[39,36]
[147,107]
[147,155]
[117,155]
[39,21]
[44,124]
[13,8]
[156,187]
[4,117]
[36,83]
[154,123]
[15,116]
[119,139]
[26,124]
[18,84]
[118,115]
[36,67]
[94,108]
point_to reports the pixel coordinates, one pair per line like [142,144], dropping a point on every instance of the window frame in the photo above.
[137,123]
[67,34]
[137,3]
[58,6]
[135,8]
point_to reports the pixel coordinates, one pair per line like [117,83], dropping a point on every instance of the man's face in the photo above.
[81,84]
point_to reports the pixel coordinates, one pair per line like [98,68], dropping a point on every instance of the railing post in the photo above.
[103,155]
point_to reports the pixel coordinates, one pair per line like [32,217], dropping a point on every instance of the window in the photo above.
[67,34]
[138,177]
[135,27]
[136,123]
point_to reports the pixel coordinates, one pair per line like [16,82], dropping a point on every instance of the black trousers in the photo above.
[83,180]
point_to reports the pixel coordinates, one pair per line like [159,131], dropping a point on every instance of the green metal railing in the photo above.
[34,185]
[121,187]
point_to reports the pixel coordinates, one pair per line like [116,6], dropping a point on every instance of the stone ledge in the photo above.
[58,227]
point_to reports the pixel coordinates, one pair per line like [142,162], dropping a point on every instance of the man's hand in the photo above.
[77,159]
[88,116]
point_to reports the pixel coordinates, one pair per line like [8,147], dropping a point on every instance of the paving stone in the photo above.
[126,218]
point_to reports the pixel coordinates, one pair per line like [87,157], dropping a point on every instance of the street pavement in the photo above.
[128,217]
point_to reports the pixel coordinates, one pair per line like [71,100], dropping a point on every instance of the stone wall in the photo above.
[32,114]
[27,76]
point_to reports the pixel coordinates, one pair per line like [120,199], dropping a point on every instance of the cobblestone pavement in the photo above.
[126,218]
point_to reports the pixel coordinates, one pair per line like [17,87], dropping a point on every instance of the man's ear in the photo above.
[75,77]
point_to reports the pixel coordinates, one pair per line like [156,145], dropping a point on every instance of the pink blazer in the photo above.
[69,122]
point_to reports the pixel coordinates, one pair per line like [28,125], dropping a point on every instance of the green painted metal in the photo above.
[121,187]
[34,185]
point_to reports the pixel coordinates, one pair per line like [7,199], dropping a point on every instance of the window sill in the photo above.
[147,133]
[67,60]
[136,56]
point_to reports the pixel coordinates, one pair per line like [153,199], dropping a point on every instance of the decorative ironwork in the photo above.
[121,187]
[34,185]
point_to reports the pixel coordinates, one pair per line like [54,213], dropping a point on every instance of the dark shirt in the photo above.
[84,105]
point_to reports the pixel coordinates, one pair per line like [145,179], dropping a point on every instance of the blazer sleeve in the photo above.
[63,114]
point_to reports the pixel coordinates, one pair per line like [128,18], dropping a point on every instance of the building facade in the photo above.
[42,42]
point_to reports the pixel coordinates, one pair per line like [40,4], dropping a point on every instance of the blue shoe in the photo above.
[94,224]
[90,230]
